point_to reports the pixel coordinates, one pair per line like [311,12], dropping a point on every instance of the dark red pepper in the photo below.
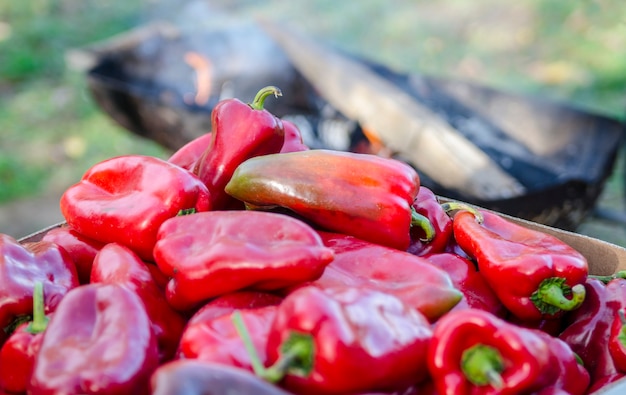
[346,340]
[17,355]
[427,204]
[188,155]
[240,131]
[293,138]
[21,266]
[476,292]
[414,280]
[361,195]
[99,340]
[125,199]
[116,264]
[236,250]
[474,352]
[617,341]
[82,249]
[534,274]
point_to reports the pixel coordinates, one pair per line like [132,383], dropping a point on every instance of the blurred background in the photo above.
[51,130]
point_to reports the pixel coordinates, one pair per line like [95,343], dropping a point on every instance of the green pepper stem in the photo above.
[259,99]
[424,224]
[242,330]
[450,207]
[607,279]
[550,296]
[40,321]
[621,337]
[482,365]
[294,354]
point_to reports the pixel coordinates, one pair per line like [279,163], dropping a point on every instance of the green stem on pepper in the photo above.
[242,330]
[40,321]
[259,99]
[450,207]
[421,221]
[622,334]
[606,279]
[551,296]
[482,365]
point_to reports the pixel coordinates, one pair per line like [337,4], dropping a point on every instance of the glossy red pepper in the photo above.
[98,341]
[23,265]
[18,353]
[240,131]
[414,280]
[617,341]
[293,138]
[81,249]
[346,340]
[116,264]
[474,352]
[534,274]
[194,377]
[125,200]
[236,250]
[361,195]
[476,292]
[427,204]
[189,154]
[588,329]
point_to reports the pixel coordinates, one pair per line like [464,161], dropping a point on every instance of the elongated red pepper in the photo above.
[476,292]
[194,377]
[346,340]
[617,341]
[98,341]
[293,138]
[125,200]
[116,264]
[240,131]
[588,329]
[236,250]
[21,266]
[414,280]
[81,249]
[427,204]
[361,195]
[189,154]
[534,274]
[18,353]
[474,352]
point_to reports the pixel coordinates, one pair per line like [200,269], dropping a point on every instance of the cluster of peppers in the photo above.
[248,263]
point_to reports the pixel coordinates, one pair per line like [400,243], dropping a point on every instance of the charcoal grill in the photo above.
[562,155]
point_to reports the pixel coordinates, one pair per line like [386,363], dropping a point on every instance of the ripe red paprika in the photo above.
[116,264]
[236,250]
[534,274]
[99,340]
[361,195]
[125,199]
[189,154]
[474,352]
[240,131]
[427,205]
[293,138]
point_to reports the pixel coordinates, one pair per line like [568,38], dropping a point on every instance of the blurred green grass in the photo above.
[51,132]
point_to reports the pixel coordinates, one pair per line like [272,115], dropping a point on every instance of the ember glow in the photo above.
[202,68]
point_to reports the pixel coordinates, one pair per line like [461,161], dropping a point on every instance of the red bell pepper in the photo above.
[476,292]
[82,249]
[18,353]
[361,195]
[194,377]
[293,138]
[345,340]
[588,329]
[617,341]
[125,200]
[98,341]
[236,250]
[535,275]
[189,154]
[116,264]
[474,352]
[427,205]
[414,280]
[21,266]
[240,131]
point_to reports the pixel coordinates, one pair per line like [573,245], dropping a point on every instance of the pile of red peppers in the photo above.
[248,263]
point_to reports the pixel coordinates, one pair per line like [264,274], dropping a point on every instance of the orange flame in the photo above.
[202,67]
